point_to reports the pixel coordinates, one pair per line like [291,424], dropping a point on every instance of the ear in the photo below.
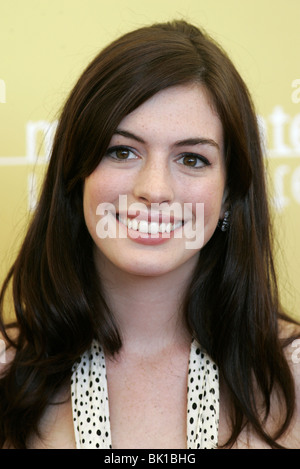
[225,203]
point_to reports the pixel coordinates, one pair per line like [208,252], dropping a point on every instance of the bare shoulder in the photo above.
[293,433]
[292,349]
[288,328]
[56,426]
[290,333]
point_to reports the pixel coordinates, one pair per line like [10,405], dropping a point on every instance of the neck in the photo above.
[147,310]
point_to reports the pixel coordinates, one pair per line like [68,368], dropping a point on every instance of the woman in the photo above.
[166,344]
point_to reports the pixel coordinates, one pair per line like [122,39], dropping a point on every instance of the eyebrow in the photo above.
[179,143]
[197,141]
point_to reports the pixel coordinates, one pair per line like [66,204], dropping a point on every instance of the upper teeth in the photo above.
[152,227]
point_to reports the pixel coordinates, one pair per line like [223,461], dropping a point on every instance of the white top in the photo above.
[90,404]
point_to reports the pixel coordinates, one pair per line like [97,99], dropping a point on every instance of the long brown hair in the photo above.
[232,304]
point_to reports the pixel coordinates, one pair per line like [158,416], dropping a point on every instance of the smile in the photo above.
[143,226]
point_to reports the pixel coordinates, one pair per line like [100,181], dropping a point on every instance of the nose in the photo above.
[153,182]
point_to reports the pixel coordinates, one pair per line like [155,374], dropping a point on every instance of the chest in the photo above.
[170,400]
[148,403]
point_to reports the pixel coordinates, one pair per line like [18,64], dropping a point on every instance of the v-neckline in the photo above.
[90,403]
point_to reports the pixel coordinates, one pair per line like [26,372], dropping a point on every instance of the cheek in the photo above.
[211,195]
[98,189]
[213,204]
[94,193]
[89,207]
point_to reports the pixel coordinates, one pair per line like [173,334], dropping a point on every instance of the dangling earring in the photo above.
[224,224]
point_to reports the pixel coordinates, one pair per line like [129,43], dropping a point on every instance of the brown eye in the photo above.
[190,160]
[120,153]
[193,160]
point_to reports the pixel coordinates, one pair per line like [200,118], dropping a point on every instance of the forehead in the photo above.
[178,112]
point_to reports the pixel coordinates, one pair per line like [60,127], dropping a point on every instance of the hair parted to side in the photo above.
[232,305]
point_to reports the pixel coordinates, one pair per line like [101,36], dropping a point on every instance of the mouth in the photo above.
[149,227]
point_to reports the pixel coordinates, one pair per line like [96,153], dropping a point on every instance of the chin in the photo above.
[147,271]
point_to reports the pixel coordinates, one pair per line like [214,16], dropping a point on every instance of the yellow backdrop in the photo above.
[45,44]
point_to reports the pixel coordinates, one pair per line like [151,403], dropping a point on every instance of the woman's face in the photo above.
[143,204]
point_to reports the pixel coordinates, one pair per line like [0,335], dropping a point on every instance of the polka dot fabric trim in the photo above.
[90,400]
[91,410]
[203,400]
